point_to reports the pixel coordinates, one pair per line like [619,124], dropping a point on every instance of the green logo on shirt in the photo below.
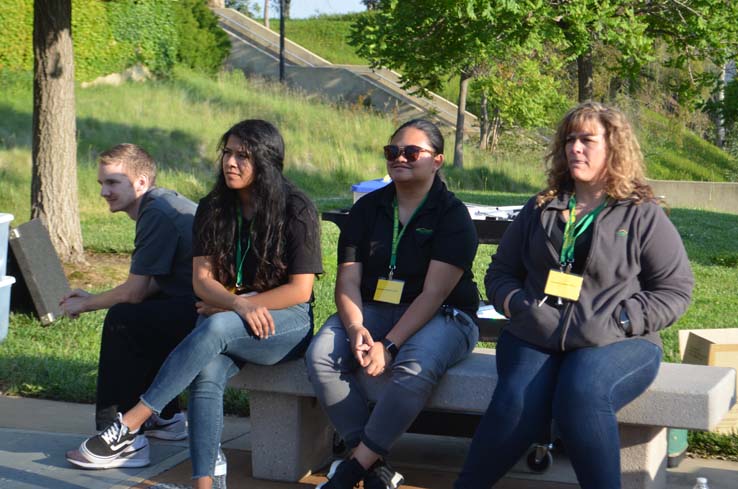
[424,231]
[622,233]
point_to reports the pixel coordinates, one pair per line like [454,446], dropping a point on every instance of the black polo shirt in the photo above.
[300,254]
[441,230]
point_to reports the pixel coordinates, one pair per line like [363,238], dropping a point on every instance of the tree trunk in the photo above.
[483,121]
[266,14]
[495,127]
[584,76]
[54,167]
[720,120]
[459,145]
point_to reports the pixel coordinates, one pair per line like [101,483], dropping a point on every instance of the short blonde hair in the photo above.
[136,159]
[625,170]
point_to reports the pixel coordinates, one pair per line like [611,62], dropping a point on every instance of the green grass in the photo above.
[325,35]
[328,149]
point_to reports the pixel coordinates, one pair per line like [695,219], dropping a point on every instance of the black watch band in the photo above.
[390,347]
[625,322]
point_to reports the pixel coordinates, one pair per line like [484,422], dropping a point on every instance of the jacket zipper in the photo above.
[570,305]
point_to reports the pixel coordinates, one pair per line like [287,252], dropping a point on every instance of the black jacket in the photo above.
[636,261]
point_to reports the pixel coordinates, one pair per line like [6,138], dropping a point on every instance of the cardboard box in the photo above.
[718,347]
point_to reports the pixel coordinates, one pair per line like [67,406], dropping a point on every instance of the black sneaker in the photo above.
[112,447]
[383,476]
[343,474]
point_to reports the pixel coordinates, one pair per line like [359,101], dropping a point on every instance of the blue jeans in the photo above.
[581,390]
[419,365]
[214,352]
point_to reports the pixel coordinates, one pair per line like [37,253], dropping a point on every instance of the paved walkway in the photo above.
[34,435]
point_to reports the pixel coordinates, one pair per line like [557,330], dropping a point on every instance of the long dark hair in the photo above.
[269,191]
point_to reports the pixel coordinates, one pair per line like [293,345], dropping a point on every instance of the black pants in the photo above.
[136,340]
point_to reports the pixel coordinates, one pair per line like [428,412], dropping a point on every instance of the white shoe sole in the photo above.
[136,455]
[166,435]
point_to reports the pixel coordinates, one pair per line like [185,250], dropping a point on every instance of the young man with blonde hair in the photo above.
[154,308]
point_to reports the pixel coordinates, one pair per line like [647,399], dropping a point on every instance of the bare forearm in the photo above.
[287,295]
[349,305]
[124,293]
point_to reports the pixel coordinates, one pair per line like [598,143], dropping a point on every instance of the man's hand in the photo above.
[361,341]
[74,303]
[377,359]
[257,317]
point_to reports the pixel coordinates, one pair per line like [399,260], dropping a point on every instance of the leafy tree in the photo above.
[54,152]
[692,30]
[371,4]
[429,41]
[522,87]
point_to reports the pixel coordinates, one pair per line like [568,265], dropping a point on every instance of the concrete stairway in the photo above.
[255,50]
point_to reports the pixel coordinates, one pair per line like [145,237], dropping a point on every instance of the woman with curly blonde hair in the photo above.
[589,273]
[625,176]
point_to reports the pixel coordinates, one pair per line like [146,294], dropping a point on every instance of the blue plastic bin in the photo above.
[362,188]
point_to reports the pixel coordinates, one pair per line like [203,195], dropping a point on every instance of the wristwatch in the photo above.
[390,347]
[625,322]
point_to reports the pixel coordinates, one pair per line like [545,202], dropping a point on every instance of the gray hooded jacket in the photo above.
[636,261]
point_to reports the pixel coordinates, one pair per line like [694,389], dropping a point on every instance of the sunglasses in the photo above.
[411,152]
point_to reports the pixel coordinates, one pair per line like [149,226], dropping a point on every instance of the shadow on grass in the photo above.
[174,149]
[709,237]
[48,377]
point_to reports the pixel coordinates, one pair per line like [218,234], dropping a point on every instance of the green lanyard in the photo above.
[575,228]
[240,258]
[397,236]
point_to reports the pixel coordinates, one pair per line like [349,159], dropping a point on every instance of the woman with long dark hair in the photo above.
[406,299]
[256,251]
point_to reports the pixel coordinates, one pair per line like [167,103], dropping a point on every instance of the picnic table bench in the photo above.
[291,436]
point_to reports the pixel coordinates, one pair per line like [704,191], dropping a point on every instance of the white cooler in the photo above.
[4,232]
[5,284]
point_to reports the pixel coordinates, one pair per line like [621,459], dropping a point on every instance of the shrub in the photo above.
[110,36]
[152,39]
[203,45]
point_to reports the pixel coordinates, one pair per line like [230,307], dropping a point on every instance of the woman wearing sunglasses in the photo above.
[256,248]
[406,300]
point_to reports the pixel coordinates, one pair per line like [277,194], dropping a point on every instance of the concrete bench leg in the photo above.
[643,456]
[290,436]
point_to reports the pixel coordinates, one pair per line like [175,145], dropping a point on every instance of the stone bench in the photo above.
[291,436]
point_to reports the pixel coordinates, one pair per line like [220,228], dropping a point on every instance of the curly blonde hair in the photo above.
[625,169]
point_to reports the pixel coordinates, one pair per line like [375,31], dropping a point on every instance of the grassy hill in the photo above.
[672,152]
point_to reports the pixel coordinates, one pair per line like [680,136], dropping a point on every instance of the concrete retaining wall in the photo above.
[327,82]
[714,196]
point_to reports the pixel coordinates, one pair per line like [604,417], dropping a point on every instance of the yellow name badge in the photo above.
[389,291]
[565,285]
